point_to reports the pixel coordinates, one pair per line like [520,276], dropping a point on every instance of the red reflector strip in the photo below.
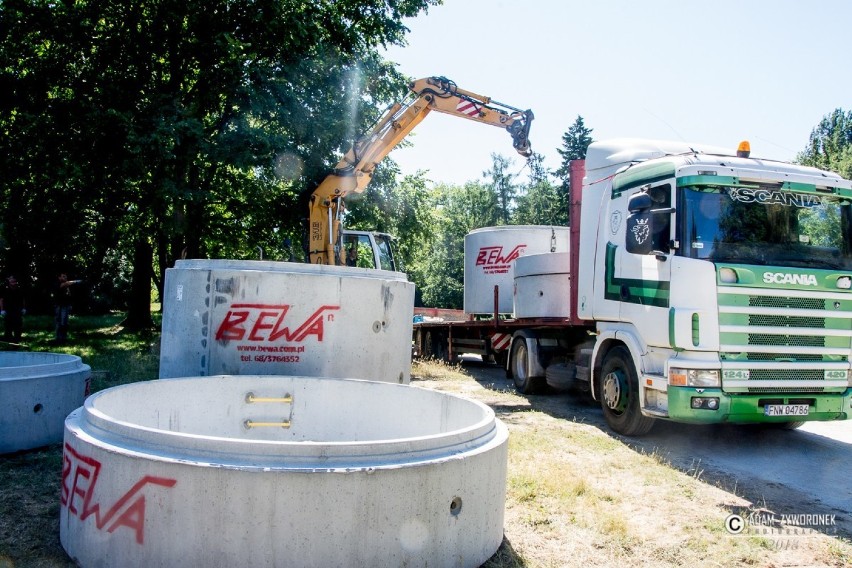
[500,341]
[468,108]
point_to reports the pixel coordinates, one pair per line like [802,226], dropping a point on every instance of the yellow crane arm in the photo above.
[354,171]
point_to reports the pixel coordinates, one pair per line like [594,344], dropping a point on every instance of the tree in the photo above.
[158,128]
[537,171]
[502,184]
[829,148]
[405,210]
[830,144]
[439,269]
[540,203]
[575,142]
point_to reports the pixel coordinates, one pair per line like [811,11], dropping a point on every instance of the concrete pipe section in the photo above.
[37,392]
[237,317]
[540,284]
[489,257]
[281,471]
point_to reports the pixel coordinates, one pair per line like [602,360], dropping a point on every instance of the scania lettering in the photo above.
[782,278]
[705,286]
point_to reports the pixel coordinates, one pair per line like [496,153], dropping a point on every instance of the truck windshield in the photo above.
[766,226]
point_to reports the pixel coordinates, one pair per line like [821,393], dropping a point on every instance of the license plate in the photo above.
[786,410]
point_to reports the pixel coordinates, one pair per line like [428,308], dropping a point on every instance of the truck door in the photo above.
[642,262]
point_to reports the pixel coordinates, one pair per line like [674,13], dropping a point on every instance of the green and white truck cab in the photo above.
[719,286]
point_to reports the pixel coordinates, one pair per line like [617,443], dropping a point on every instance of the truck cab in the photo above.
[719,285]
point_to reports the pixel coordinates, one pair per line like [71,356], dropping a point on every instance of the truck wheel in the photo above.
[618,392]
[518,365]
[417,346]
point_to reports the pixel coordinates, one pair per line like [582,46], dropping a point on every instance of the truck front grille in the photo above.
[784,337]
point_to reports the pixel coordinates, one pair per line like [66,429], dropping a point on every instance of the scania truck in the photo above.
[704,286]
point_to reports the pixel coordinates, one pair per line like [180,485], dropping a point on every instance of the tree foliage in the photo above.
[541,202]
[830,144]
[439,266]
[158,129]
[575,142]
[502,184]
[404,210]
[829,148]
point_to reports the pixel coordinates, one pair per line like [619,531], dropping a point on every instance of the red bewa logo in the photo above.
[80,474]
[266,322]
[493,261]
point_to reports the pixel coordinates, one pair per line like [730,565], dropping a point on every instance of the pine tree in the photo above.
[575,142]
[502,183]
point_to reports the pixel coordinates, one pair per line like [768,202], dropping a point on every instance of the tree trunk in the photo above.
[139,310]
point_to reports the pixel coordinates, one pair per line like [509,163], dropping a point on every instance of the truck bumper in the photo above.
[748,408]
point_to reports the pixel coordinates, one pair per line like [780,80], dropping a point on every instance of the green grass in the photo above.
[115,355]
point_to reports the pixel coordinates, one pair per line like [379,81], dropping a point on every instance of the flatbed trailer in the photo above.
[489,338]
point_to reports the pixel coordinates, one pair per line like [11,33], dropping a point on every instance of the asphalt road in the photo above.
[787,472]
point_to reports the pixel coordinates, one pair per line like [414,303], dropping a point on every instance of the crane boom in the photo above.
[354,171]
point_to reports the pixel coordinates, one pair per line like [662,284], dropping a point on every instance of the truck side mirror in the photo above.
[640,227]
[639,202]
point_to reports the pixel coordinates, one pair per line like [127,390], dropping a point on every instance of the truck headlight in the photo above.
[694,377]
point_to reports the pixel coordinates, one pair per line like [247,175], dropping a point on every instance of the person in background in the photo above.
[352,256]
[13,307]
[62,303]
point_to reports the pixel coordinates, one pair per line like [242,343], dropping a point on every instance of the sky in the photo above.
[715,73]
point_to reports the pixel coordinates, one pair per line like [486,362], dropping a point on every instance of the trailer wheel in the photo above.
[433,345]
[501,358]
[439,346]
[426,351]
[519,365]
[619,394]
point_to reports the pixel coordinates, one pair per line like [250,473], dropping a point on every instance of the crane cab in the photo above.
[366,249]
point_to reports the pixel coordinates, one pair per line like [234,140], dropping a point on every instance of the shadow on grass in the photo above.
[505,557]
